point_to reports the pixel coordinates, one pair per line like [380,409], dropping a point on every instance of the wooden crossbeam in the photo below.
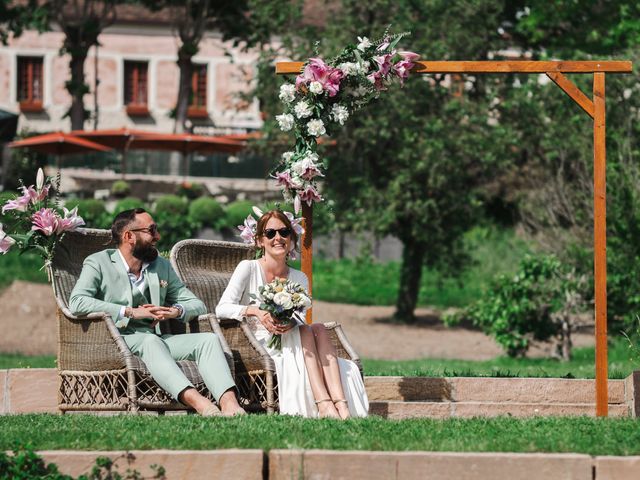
[518,66]
[573,91]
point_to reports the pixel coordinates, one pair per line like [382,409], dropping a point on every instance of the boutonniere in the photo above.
[163,284]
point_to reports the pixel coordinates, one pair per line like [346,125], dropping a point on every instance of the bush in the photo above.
[236,213]
[190,190]
[174,228]
[206,211]
[120,189]
[93,212]
[171,204]
[128,203]
[536,302]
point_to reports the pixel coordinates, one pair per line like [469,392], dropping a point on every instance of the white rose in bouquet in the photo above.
[284,300]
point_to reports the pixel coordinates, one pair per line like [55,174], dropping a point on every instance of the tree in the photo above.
[82,23]
[191,20]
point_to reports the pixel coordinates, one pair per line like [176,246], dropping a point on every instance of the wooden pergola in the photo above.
[595,108]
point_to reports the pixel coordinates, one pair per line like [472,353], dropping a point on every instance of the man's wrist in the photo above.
[128,312]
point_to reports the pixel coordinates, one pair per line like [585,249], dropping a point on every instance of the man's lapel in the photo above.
[154,284]
[123,278]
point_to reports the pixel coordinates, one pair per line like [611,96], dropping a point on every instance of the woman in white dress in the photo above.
[312,380]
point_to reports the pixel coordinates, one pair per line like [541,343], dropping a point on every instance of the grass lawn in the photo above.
[27,267]
[17,360]
[87,432]
[493,251]
[582,365]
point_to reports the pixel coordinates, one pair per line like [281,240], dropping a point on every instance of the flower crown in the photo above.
[249,229]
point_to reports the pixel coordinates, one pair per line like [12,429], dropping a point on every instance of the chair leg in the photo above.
[132,392]
[270,392]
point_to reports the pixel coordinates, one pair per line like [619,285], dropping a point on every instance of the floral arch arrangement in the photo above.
[323,97]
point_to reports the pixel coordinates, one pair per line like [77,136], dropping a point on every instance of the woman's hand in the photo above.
[271,324]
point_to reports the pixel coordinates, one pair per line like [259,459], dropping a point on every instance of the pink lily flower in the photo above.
[5,241]
[377,79]
[307,169]
[45,220]
[36,195]
[20,204]
[385,44]
[248,230]
[384,62]
[404,66]
[318,71]
[296,223]
[309,195]
[70,222]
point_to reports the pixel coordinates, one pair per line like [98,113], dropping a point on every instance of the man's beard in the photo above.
[145,252]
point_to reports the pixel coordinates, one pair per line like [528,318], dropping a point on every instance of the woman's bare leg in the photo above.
[324,401]
[330,369]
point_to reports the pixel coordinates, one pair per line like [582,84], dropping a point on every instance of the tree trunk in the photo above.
[410,275]
[565,339]
[77,89]
[184,91]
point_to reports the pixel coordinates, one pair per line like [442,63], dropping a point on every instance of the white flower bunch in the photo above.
[286,301]
[324,97]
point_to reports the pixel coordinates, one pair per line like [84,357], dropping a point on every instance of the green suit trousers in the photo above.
[159,355]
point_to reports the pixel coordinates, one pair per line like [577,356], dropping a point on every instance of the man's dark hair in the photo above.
[122,221]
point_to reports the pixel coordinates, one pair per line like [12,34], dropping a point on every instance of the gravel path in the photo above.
[29,323]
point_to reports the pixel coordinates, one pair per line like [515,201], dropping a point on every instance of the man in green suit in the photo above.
[139,289]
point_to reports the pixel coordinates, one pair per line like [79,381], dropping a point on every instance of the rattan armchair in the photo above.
[97,371]
[205,267]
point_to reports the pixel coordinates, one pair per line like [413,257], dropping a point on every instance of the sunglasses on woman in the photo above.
[270,233]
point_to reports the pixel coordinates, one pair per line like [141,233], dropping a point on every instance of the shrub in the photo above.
[171,204]
[236,213]
[206,211]
[536,302]
[174,228]
[120,189]
[190,190]
[128,203]
[92,211]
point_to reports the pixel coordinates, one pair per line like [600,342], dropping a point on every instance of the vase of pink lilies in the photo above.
[34,221]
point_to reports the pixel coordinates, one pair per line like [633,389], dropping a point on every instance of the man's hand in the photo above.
[162,313]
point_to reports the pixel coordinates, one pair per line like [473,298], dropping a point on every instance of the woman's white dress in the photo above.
[294,390]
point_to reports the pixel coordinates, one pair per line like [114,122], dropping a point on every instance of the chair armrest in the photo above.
[90,343]
[212,320]
[342,344]
[249,352]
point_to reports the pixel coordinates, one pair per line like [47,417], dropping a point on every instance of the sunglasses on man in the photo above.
[270,233]
[151,229]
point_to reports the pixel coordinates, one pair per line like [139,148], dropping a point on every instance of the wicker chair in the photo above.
[97,370]
[205,266]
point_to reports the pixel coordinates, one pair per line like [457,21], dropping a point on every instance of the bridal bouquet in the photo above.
[324,96]
[32,221]
[285,301]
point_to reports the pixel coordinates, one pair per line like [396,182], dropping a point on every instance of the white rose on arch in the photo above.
[316,128]
[285,121]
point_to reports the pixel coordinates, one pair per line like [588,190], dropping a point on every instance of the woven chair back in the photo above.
[205,266]
[69,256]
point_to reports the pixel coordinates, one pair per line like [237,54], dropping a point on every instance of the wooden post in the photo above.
[600,241]
[306,247]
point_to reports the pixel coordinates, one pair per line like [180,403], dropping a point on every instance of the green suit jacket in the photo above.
[104,286]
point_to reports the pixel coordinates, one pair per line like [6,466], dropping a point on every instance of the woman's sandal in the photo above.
[346,404]
[331,415]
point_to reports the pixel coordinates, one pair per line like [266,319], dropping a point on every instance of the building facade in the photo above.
[137,80]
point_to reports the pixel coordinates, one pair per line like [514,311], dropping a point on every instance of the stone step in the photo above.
[398,410]
[489,389]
